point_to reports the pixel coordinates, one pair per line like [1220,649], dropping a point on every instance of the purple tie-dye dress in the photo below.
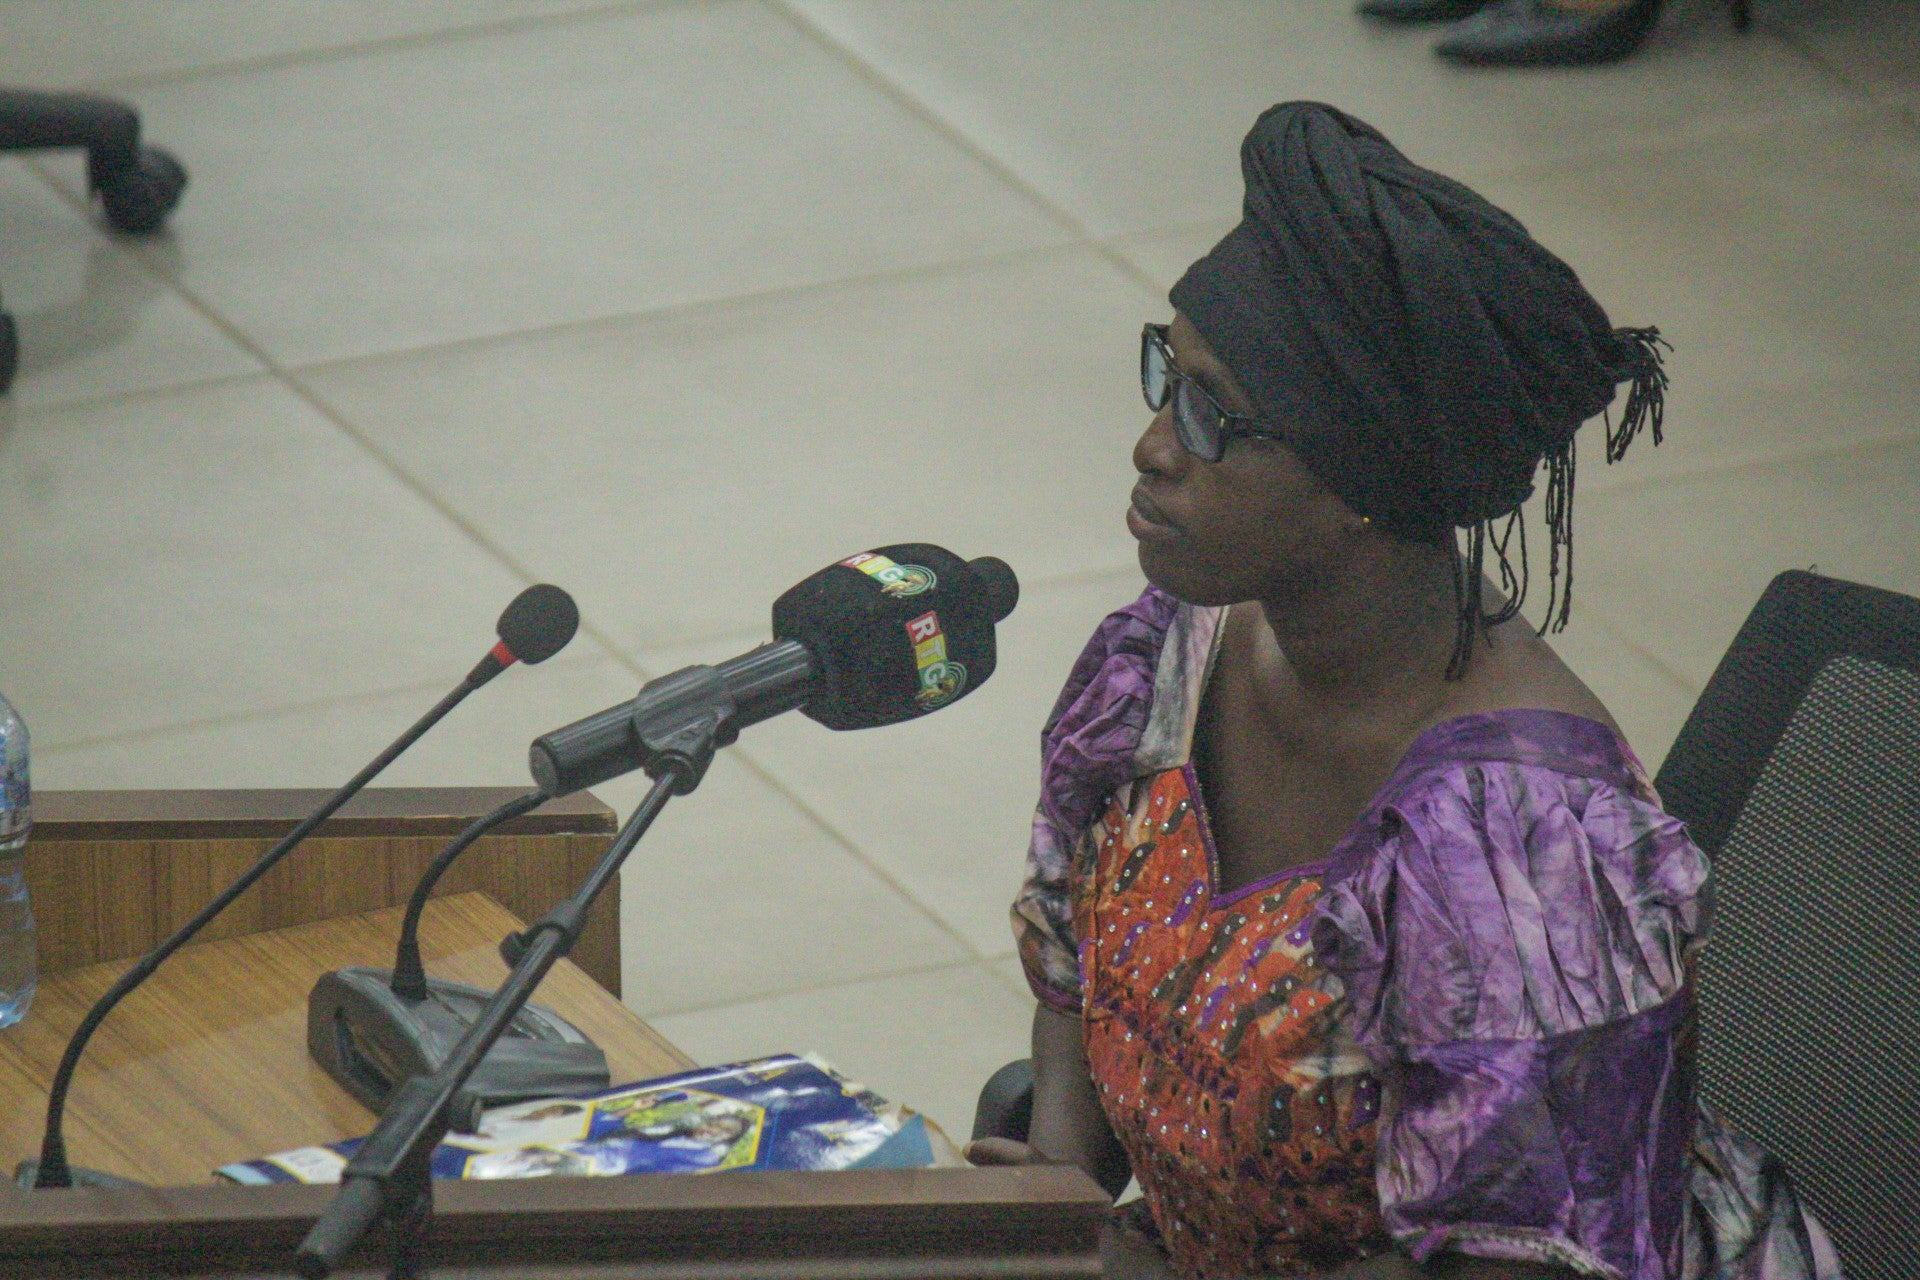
[1505,935]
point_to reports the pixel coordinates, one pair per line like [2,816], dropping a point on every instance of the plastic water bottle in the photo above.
[19,963]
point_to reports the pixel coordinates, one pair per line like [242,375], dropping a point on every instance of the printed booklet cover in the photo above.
[783,1112]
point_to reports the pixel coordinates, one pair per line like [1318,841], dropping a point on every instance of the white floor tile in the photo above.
[680,471]
[929,1040]
[1009,971]
[1165,255]
[737,894]
[1873,45]
[92,321]
[56,43]
[1130,115]
[1648,703]
[1790,319]
[483,742]
[217,551]
[493,184]
[1676,565]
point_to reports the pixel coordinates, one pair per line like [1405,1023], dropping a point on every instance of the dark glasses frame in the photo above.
[1203,426]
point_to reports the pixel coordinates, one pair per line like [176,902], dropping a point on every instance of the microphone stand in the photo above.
[52,1168]
[389,1177]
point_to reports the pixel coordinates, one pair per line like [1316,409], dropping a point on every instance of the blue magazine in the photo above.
[783,1112]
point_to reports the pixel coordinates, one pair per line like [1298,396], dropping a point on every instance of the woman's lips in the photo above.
[1146,520]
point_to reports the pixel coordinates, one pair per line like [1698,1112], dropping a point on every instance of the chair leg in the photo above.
[108,129]
[9,352]
[138,186]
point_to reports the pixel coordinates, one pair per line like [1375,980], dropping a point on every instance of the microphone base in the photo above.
[371,1040]
[28,1171]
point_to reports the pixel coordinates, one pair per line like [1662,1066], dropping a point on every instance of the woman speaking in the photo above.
[1360,937]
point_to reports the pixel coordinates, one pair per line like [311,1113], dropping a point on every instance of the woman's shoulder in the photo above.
[1491,780]
[1139,672]
[1118,659]
[1109,706]
[1517,879]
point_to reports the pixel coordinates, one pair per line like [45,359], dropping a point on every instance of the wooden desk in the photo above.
[207,1063]
[1036,1223]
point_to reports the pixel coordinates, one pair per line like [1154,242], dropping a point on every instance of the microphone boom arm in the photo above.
[741,692]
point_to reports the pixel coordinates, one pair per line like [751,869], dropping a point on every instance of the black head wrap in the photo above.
[1418,350]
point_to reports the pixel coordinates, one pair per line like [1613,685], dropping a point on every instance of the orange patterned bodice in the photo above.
[1214,1044]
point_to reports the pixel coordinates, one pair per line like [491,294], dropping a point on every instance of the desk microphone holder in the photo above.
[389,1178]
[371,1029]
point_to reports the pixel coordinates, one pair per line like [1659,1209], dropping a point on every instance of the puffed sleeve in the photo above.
[1514,955]
[1087,750]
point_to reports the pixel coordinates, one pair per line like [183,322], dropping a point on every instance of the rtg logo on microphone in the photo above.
[940,680]
[897,580]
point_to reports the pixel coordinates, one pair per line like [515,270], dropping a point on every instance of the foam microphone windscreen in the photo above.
[897,631]
[1001,589]
[538,623]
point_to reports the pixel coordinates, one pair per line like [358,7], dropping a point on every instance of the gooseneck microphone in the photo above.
[878,638]
[409,978]
[881,636]
[372,1029]
[537,624]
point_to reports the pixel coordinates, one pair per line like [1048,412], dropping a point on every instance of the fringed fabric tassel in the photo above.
[1469,587]
[1646,398]
[1469,568]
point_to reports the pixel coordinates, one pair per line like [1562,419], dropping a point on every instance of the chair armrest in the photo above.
[1005,1109]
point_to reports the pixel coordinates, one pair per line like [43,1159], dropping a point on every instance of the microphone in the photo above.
[373,1029]
[537,624]
[880,637]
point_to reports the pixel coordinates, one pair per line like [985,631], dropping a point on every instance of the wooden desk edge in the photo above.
[83,1207]
[242,813]
[1030,1221]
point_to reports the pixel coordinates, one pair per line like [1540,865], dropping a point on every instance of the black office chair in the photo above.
[1798,772]
[137,186]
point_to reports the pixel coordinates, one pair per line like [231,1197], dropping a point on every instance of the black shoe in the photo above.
[1530,33]
[1420,10]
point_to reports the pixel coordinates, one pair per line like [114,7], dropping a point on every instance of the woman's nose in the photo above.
[1158,450]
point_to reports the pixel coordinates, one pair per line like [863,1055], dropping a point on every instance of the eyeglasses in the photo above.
[1198,420]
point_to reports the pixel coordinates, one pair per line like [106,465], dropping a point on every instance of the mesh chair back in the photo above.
[1798,773]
